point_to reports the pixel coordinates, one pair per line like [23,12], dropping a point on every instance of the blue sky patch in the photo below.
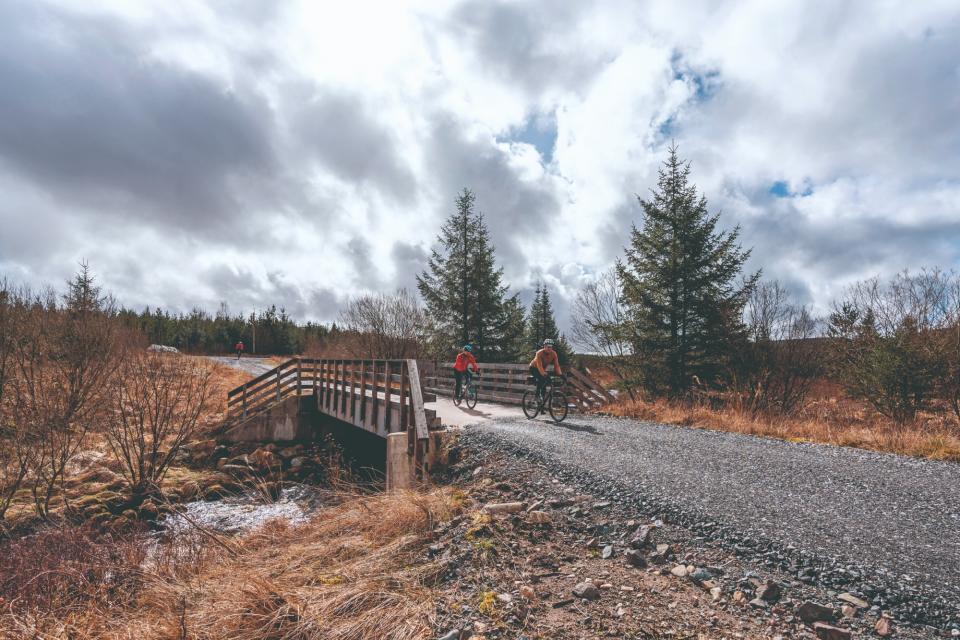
[541,132]
[780,189]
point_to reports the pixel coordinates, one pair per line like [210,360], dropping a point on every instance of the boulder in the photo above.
[680,571]
[642,538]
[811,612]
[635,558]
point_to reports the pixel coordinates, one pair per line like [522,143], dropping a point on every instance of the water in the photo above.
[239,514]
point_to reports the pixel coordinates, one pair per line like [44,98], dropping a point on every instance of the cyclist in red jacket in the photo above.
[238,348]
[464,361]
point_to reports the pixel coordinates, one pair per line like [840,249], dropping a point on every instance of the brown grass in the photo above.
[828,420]
[355,571]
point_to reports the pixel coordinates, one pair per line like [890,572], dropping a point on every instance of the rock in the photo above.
[560,503]
[769,591]
[738,596]
[662,553]
[825,631]
[265,459]
[848,610]
[451,635]
[700,575]
[477,471]
[849,598]
[680,571]
[715,593]
[642,539]
[539,517]
[202,448]
[811,612]
[527,592]
[504,507]
[505,598]
[587,591]
[601,505]
[757,603]
[884,626]
[298,462]
[607,552]
[635,558]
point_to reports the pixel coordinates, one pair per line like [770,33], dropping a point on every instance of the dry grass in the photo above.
[355,571]
[828,420]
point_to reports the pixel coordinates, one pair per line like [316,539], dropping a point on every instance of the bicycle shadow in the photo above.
[580,428]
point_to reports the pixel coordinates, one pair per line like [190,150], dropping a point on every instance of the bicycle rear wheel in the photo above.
[457,398]
[531,404]
[558,405]
[471,397]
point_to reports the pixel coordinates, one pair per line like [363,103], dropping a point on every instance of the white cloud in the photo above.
[295,153]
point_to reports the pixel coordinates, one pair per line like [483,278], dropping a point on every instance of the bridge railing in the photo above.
[506,382]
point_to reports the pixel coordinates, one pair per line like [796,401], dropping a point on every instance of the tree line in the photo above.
[678,317]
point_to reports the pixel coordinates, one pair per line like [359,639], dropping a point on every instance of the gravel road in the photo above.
[253,366]
[885,525]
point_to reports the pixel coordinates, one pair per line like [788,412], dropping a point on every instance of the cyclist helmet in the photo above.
[548,343]
[468,347]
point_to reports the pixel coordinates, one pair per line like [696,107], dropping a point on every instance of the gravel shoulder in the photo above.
[885,524]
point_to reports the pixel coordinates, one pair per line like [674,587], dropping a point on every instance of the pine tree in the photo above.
[463,288]
[680,283]
[542,324]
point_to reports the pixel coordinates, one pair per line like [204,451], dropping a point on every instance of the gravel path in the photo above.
[886,525]
[253,366]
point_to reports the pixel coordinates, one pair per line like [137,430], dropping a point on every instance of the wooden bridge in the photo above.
[385,398]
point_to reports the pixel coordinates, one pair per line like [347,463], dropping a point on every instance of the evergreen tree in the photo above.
[680,283]
[463,288]
[542,324]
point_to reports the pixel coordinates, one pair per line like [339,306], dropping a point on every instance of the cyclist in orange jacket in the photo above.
[464,361]
[538,366]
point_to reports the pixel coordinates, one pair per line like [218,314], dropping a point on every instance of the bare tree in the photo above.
[63,361]
[599,323]
[157,405]
[14,454]
[777,368]
[389,326]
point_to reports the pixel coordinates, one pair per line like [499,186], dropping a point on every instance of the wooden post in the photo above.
[299,377]
[244,401]
[363,392]
[387,402]
[404,375]
[376,397]
[278,384]
[354,400]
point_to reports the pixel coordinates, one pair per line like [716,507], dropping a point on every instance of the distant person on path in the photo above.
[238,348]
[538,366]
[464,361]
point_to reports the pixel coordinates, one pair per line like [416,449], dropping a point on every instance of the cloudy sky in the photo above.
[260,152]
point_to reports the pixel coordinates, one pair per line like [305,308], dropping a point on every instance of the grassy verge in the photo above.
[829,421]
[356,570]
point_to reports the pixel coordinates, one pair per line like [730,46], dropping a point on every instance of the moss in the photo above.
[488,603]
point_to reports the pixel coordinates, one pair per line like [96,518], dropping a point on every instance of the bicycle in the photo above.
[554,398]
[468,391]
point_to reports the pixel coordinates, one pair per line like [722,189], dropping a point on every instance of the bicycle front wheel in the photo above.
[457,398]
[558,405]
[471,397]
[531,405]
